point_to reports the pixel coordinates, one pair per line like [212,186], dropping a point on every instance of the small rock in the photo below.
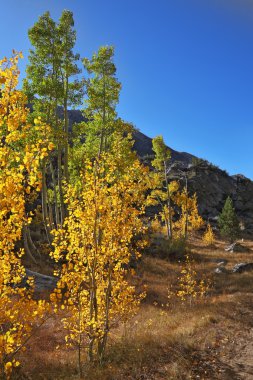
[219,261]
[237,247]
[222,263]
[220,270]
[242,267]
[230,248]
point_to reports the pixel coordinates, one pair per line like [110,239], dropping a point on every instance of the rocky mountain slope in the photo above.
[211,184]
[142,144]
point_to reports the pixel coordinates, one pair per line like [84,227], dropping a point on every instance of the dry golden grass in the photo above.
[164,341]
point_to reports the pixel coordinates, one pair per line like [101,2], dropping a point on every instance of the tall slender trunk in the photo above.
[103,342]
[186,210]
[80,370]
[31,243]
[62,208]
[2,371]
[26,245]
[102,136]
[169,222]
[50,216]
[101,142]
[57,217]
[44,202]
[93,314]
[93,285]
[66,130]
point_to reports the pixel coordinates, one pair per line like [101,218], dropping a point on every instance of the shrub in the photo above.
[209,237]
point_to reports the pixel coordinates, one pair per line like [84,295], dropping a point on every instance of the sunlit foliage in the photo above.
[209,237]
[96,245]
[19,175]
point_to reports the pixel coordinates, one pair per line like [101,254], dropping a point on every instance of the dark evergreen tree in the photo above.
[228,221]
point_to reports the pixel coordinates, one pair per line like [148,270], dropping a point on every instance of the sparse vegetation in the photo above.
[209,237]
[183,342]
[189,287]
[135,296]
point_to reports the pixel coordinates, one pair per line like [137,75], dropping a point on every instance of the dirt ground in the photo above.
[234,359]
[167,339]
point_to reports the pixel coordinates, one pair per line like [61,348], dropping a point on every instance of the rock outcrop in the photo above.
[211,184]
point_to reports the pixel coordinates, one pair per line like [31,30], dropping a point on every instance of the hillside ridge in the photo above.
[212,184]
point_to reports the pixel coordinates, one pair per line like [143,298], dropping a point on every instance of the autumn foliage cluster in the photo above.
[19,176]
[87,191]
[95,241]
[178,209]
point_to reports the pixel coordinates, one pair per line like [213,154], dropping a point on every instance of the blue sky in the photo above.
[186,66]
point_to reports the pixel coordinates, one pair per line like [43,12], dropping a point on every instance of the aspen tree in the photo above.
[162,189]
[179,211]
[189,219]
[96,244]
[19,175]
[52,82]
[103,90]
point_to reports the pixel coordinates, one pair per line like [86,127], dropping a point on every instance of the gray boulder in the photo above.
[41,281]
[237,247]
[242,267]
[230,248]
[220,270]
